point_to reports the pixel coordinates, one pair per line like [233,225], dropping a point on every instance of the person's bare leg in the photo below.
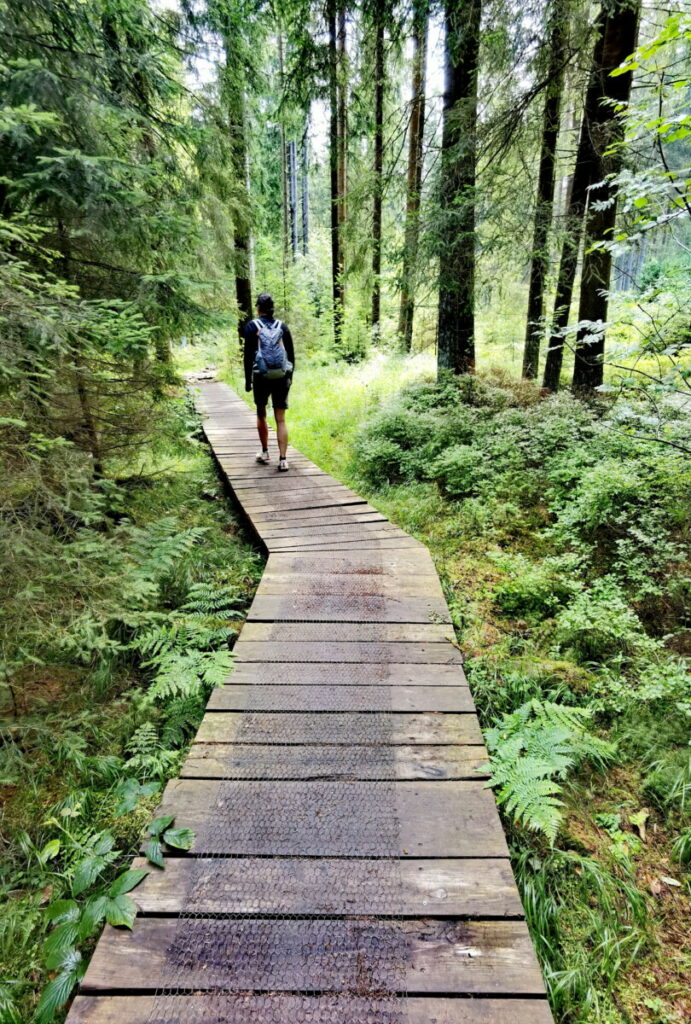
[263,428]
[281,432]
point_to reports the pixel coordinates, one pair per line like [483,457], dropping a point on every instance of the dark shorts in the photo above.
[276,390]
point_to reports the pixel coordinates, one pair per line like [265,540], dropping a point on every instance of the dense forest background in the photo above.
[476,217]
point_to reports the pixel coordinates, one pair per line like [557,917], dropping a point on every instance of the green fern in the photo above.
[532,750]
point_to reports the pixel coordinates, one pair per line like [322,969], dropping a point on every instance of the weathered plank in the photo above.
[321,819]
[426,654]
[327,607]
[286,1008]
[349,517]
[339,727]
[359,563]
[315,513]
[366,632]
[441,956]
[353,674]
[329,697]
[362,544]
[208,760]
[293,885]
[375,527]
[334,584]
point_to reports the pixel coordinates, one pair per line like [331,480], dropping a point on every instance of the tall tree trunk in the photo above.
[414,183]
[234,97]
[378,182]
[456,330]
[584,168]
[336,259]
[342,144]
[544,202]
[293,196]
[305,191]
[620,37]
[284,160]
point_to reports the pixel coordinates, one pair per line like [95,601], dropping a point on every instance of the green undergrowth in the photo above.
[119,616]
[562,543]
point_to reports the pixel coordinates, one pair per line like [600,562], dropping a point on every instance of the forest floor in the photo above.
[571,617]
[126,649]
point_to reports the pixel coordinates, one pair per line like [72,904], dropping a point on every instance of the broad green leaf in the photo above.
[121,911]
[55,994]
[92,916]
[126,882]
[86,873]
[154,853]
[180,838]
[63,910]
[159,825]
[49,851]
[59,942]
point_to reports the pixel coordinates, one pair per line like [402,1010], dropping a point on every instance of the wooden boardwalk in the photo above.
[349,864]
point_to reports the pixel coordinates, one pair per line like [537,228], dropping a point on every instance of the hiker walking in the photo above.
[269,363]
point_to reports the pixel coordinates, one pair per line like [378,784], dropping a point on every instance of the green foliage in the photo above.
[532,751]
[535,590]
[599,626]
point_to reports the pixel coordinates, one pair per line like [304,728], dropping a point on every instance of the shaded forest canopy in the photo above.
[476,217]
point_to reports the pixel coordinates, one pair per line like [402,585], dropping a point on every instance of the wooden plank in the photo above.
[367,763]
[270,481]
[425,654]
[436,819]
[296,886]
[413,1010]
[362,537]
[329,674]
[327,697]
[315,513]
[326,499]
[441,956]
[286,1008]
[366,632]
[339,727]
[416,563]
[320,607]
[301,498]
[402,543]
[358,528]
[349,585]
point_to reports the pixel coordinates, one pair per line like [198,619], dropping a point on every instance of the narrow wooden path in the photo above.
[349,864]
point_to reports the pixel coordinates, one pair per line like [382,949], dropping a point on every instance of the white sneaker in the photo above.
[283,466]
[264,457]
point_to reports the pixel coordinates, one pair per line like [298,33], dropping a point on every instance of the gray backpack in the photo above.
[271,360]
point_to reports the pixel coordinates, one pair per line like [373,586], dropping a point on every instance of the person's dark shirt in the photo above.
[250,350]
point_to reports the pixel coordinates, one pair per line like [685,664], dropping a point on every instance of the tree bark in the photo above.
[544,203]
[284,158]
[305,191]
[293,196]
[620,38]
[342,145]
[456,330]
[414,182]
[334,166]
[234,97]
[573,222]
[377,186]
